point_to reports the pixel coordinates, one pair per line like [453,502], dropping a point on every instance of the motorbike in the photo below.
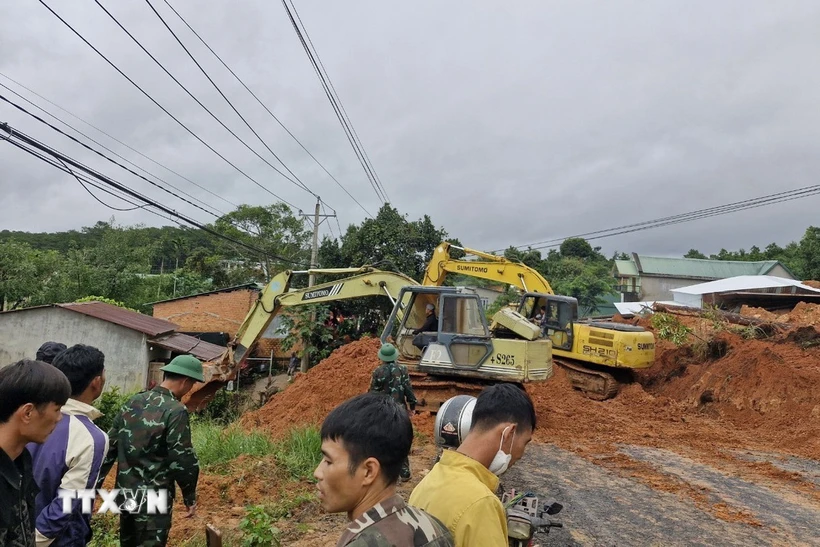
[525,519]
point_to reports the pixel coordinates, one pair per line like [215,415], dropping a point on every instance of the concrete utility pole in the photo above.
[314,259]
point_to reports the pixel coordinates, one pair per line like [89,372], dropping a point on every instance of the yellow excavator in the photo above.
[460,357]
[594,353]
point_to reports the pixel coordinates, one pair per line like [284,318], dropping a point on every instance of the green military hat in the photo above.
[388,353]
[186,365]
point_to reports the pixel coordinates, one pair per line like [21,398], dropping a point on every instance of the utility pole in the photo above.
[314,259]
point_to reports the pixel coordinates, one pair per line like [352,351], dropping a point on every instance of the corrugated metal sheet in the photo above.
[745,283]
[632,308]
[626,267]
[704,269]
[182,343]
[125,318]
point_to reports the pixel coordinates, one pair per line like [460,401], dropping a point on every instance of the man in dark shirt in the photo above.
[421,340]
[31,396]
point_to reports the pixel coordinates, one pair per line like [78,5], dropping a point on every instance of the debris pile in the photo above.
[344,374]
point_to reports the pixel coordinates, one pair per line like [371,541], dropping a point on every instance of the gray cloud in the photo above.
[506,123]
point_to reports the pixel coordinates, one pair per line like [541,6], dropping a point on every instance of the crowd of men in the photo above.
[49,443]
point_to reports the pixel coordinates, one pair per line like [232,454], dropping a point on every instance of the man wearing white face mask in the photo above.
[460,489]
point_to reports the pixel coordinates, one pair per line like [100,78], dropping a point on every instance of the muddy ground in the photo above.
[705,448]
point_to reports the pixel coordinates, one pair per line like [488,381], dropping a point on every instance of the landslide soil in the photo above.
[707,403]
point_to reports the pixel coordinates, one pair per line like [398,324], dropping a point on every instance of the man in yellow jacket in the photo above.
[460,489]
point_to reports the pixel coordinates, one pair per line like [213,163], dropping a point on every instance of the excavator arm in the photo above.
[274,298]
[489,266]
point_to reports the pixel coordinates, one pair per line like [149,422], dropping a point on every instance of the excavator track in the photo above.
[432,391]
[595,384]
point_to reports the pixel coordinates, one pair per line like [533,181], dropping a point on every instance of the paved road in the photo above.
[602,508]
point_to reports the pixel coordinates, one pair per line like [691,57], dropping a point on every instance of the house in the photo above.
[653,278]
[487,295]
[135,345]
[217,315]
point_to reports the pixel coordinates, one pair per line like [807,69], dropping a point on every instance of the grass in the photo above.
[216,445]
[106,531]
[299,452]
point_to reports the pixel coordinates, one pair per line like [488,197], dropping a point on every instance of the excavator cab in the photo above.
[560,312]
[461,339]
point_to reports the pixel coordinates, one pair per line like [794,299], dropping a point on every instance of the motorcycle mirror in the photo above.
[552,507]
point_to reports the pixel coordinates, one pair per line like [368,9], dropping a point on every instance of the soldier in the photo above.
[392,379]
[364,441]
[151,443]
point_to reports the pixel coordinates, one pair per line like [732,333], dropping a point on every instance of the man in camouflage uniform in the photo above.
[364,442]
[392,379]
[151,443]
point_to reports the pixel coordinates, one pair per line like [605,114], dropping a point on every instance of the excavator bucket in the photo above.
[217,374]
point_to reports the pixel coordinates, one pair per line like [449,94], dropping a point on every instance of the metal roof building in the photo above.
[652,278]
[135,345]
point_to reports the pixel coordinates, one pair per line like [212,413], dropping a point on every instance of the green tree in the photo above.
[390,238]
[18,274]
[808,254]
[694,253]
[274,229]
[577,247]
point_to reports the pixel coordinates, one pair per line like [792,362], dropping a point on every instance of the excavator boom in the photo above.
[490,267]
[276,296]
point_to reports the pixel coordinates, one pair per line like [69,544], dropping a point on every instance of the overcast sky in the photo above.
[506,122]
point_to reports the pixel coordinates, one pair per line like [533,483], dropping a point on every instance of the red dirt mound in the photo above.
[344,374]
[770,387]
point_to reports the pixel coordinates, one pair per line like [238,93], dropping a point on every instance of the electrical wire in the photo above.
[197,137]
[341,104]
[185,89]
[263,105]
[31,142]
[84,145]
[336,109]
[241,117]
[113,138]
[112,151]
[752,203]
[329,227]
[80,178]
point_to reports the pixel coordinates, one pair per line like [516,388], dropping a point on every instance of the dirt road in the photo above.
[615,505]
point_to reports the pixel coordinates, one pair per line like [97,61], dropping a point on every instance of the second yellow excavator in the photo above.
[594,353]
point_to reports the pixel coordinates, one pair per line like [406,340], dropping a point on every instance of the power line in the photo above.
[80,178]
[197,137]
[113,138]
[185,89]
[329,227]
[241,117]
[752,203]
[263,105]
[110,150]
[84,145]
[341,104]
[336,108]
[37,145]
